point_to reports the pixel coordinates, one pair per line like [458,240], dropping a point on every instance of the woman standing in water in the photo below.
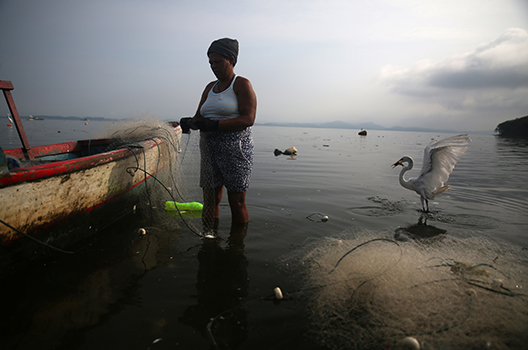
[225,114]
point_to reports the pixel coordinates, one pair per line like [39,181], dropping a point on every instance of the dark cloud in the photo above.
[502,63]
[480,79]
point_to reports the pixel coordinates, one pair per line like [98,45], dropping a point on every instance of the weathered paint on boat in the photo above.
[43,195]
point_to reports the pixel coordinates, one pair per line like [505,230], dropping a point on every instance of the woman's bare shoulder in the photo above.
[242,83]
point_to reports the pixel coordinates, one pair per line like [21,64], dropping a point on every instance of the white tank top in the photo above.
[222,105]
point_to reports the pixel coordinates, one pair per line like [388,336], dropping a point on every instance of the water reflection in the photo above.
[222,283]
[420,231]
[511,142]
[53,305]
[512,149]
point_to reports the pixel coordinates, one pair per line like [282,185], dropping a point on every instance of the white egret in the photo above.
[440,157]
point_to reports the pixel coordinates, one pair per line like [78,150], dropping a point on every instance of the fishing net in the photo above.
[179,184]
[363,291]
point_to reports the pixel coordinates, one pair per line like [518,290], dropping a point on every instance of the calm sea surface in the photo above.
[171,290]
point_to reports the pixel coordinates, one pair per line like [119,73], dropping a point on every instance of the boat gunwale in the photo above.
[62,167]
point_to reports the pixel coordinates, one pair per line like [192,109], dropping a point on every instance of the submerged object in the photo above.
[190,206]
[183,214]
[497,284]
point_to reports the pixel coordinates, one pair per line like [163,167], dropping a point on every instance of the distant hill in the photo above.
[344,125]
[513,128]
[326,125]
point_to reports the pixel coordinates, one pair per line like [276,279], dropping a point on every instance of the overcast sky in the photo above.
[450,64]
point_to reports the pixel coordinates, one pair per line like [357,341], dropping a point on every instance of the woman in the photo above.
[225,114]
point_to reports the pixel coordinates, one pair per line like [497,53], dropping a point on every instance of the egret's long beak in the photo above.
[398,163]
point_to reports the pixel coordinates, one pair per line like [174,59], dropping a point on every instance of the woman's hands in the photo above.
[203,124]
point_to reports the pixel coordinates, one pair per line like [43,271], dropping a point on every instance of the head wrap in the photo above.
[225,47]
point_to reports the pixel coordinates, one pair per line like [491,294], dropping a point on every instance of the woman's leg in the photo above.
[211,209]
[237,203]
[212,198]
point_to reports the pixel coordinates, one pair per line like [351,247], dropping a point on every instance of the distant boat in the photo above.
[10,119]
[30,117]
[362,132]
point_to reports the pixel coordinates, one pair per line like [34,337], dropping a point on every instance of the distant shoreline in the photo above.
[327,125]
[370,126]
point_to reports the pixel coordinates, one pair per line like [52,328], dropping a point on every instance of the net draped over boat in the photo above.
[180,184]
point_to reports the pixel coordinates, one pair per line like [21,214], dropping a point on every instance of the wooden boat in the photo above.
[54,196]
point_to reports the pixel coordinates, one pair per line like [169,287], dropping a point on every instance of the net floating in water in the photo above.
[191,206]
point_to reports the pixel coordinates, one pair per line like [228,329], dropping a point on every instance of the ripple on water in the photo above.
[473,221]
[382,207]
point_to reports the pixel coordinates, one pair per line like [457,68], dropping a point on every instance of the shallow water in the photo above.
[163,290]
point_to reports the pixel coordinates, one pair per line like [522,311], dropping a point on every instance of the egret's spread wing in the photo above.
[440,158]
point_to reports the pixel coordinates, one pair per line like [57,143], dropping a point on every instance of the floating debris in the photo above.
[278,293]
[317,217]
[290,151]
[410,343]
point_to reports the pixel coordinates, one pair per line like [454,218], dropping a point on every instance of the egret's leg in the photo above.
[425,203]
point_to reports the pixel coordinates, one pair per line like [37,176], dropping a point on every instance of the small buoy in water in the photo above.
[85,123]
[142,231]
[497,284]
[278,293]
[317,217]
[410,343]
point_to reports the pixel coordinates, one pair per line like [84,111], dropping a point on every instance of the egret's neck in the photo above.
[403,182]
